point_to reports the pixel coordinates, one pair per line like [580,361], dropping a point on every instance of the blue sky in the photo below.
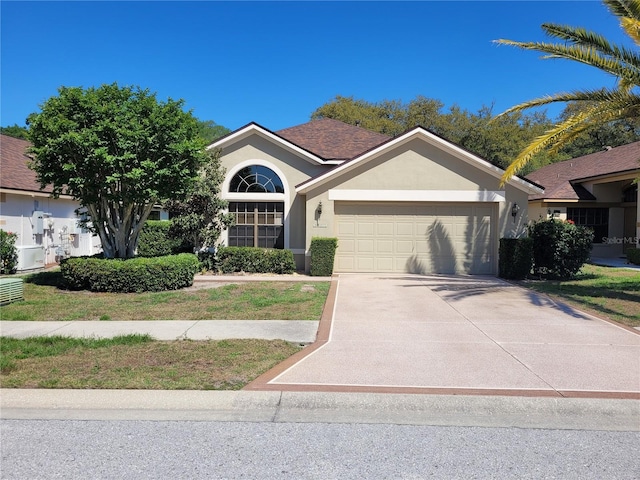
[276,62]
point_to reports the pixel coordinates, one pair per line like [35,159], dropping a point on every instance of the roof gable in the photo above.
[255,129]
[332,139]
[16,175]
[325,141]
[562,180]
[429,137]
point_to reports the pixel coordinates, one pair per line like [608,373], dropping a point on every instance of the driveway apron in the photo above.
[464,334]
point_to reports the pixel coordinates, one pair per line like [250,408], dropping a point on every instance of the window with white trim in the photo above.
[256,223]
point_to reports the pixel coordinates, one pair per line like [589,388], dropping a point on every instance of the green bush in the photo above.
[208,260]
[515,258]
[140,274]
[633,255]
[323,253]
[8,252]
[559,248]
[255,260]
[156,240]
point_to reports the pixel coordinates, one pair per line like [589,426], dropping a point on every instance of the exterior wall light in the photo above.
[319,208]
[514,211]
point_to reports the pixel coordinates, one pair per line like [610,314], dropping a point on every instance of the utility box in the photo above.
[11,290]
[37,222]
[30,257]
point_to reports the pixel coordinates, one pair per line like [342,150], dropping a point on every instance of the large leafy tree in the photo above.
[599,107]
[200,217]
[118,151]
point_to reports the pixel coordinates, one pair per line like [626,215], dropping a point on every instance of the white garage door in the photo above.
[415,238]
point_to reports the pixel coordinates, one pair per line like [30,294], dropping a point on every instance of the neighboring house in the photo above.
[412,203]
[597,190]
[47,228]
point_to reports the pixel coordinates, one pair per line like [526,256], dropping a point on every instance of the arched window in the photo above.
[257,222]
[256,179]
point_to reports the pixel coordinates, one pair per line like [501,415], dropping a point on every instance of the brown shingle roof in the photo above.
[562,180]
[14,172]
[332,139]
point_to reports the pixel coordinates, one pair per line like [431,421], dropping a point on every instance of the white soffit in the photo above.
[420,132]
[258,130]
[417,195]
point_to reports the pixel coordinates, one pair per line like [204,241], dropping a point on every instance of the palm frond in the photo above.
[629,13]
[585,39]
[621,106]
[632,27]
[624,8]
[618,67]
[603,95]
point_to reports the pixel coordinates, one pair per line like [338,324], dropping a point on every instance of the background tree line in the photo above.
[498,139]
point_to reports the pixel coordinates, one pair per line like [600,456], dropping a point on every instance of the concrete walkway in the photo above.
[297,331]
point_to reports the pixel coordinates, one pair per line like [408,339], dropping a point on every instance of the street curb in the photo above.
[316,407]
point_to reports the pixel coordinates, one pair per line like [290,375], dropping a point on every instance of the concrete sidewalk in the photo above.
[297,331]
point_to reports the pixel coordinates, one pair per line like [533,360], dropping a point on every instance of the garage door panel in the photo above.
[405,247]
[365,246]
[384,246]
[366,264]
[346,227]
[404,228]
[385,264]
[420,238]
[384,228]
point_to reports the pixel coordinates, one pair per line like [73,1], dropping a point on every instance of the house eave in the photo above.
[255,129]
[32,193]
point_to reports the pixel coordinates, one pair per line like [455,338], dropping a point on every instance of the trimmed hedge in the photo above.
[559,248]
[156,241]
[633,255]
[323,253]
[255,260]
[134,275]
[515,258]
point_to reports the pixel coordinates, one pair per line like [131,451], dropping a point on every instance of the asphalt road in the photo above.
[74,449]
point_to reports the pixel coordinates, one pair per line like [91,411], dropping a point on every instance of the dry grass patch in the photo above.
[242,301]
[122,364]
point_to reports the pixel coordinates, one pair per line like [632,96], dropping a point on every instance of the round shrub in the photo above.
[559,248]
[155,274]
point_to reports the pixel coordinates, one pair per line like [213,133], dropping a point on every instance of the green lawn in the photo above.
[137,362]
[243,301]
[613,293]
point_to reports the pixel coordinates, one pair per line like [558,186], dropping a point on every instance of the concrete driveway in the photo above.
[460,334]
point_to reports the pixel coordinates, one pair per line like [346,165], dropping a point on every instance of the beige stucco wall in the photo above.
[293,168]
[417,166]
